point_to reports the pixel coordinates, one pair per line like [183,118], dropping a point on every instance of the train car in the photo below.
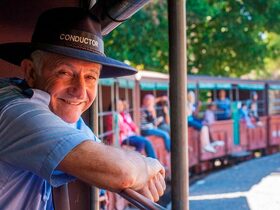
[273,102]
[238,138]
[234,132]
[254,136]
[207,89]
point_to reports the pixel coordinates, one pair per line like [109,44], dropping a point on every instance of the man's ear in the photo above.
[29,72]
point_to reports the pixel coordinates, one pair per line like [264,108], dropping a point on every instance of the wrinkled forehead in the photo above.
[53,60]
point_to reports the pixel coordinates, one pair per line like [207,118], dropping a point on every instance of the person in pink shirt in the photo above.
[128,130]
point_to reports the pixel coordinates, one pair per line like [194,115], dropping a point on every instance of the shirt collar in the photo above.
[41,96]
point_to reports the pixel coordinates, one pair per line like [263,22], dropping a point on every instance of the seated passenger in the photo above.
[253,114]
[253,108]
[126,135]
[192,112]
[132,136]
[223,106]
[209,115]
[162,110]
[196,124]
[149,121]
[253,99]
[244,115]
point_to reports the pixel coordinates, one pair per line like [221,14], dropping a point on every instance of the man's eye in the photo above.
[64,73]
[91,77]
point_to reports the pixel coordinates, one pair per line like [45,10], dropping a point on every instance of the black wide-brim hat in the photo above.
[68,31]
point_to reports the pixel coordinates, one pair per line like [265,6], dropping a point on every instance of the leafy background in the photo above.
[227,38]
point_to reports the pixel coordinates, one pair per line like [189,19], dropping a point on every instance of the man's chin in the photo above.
[69,115]
[70,120]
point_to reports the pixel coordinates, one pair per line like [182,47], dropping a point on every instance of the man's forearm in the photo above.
[107,167]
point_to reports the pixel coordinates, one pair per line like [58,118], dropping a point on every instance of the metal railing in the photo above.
[139,200]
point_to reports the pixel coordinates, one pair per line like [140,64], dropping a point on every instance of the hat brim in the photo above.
[15,52]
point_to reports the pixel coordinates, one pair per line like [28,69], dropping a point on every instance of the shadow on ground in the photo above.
[219,204]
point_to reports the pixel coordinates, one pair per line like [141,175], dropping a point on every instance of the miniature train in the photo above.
[239,140]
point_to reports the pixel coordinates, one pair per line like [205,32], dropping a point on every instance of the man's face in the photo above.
[222,94]
[71,83]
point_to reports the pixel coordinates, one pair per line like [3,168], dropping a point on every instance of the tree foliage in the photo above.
[142,41]
[228,38]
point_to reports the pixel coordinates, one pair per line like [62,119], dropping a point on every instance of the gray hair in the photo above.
[38,58]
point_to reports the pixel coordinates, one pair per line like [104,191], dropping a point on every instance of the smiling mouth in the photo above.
[72,102]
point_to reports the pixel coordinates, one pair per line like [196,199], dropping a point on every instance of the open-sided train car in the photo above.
[234,132]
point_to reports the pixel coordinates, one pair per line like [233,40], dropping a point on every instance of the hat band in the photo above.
[75,39]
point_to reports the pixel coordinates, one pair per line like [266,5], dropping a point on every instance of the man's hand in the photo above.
[155,186]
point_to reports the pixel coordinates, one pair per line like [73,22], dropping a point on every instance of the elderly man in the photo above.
[43,139]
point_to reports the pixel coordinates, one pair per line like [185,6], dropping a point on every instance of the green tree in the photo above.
[228,38]
[142,41]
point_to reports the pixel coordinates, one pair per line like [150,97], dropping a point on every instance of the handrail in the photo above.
[61,199]
[139,200]
[106,113]
[107,133]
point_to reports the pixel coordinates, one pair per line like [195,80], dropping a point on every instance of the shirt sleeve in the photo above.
[33,138]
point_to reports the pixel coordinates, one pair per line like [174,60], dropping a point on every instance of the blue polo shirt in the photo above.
[33,141]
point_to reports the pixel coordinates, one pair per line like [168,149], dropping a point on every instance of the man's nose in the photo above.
[78,87]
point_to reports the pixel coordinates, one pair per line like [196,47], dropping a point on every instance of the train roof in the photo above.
[150,75]
[150,80]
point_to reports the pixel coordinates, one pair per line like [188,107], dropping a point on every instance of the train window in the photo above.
[274,100]
[249,93]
